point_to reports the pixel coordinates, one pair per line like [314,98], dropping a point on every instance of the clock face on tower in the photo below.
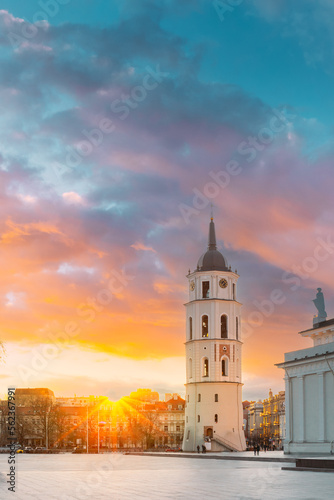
[223,283]
[192,285]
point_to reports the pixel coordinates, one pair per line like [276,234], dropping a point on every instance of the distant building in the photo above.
[33,408]
[65,422]
[309,389]
[273,424]
[266,421]
[26,396]
[171,422]
[245,407]
[75,401]
[146,395]
[255,423]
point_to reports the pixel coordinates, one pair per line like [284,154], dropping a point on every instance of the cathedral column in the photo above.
[288,415]
[301,436]
[321,408]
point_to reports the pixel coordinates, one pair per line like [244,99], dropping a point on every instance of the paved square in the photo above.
[117,476]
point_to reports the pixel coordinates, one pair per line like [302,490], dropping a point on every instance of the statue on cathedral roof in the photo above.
[319,303]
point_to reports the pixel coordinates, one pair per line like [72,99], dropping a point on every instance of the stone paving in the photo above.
[118,476]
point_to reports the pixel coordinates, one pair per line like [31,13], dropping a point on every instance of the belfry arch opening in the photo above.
[223,326]
[205,326]
[205,367]
[224,367]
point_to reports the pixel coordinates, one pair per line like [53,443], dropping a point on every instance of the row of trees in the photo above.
[38,419]
[41,421]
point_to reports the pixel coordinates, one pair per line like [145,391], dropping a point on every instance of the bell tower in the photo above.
[213,413]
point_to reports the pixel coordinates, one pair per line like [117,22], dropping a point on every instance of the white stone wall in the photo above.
[215,290]
[228,408]
[309,393]
[198,351]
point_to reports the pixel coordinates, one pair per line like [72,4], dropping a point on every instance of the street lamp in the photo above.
[99,424]
[87,431]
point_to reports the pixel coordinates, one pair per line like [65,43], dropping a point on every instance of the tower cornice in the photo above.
[213,339]
[212,299]
[198,272]
[214,382]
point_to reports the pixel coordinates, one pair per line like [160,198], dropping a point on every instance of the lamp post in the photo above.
[46,431]
[98,430]
[87,434]
[100,424]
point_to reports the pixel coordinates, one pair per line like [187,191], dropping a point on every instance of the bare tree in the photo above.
[58,425]
[23,426]
[150,428]
[42,407]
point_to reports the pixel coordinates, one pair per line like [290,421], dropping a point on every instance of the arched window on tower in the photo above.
[234,291]
[223,326]
[205,326]
[205,367]
[190,328]
[224,367]
[237,328]
[206,289]
[190,368]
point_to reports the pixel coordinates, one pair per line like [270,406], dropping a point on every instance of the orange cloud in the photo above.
[141,246]
[18,231]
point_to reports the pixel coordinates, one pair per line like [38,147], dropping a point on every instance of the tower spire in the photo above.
[212,245]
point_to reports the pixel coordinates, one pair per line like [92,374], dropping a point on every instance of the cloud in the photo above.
[66,230]
[141,246]
[72,197]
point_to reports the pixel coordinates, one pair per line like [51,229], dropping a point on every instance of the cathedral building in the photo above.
[214,413]
[309,389]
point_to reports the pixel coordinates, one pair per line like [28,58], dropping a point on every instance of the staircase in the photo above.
[224,442]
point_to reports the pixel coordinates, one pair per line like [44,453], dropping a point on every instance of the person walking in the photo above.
[198,448]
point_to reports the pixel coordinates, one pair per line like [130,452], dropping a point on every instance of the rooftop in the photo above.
[212,259]
[322,324]
[305,354]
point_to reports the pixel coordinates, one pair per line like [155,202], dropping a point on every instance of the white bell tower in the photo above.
[214,413]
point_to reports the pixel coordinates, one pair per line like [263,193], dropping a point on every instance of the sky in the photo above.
[120,123]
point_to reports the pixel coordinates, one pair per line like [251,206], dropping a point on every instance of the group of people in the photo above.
[265,447]
[256,449]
